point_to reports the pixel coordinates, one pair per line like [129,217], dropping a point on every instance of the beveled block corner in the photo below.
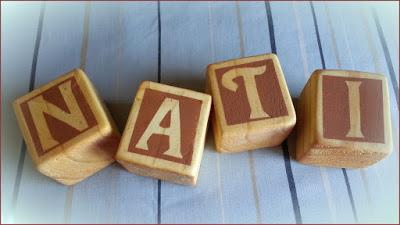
[67,129]
[344,119]
[251,102]
[165,133]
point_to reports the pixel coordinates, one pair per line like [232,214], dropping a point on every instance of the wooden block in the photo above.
[252,104]
[344,119]
[67,129]
[165,133]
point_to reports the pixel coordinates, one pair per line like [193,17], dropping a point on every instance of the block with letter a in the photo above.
[67,129]
[252,104]
[165,133]
[344,119]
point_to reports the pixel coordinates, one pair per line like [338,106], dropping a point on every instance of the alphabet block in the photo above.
[252,104]
[344,119]
[67,129]
[165,133]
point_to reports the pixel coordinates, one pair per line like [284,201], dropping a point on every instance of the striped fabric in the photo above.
[121,44]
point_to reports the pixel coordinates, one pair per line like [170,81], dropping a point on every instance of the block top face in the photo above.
[353,109]
[249,90]
[166,128]
[57,114]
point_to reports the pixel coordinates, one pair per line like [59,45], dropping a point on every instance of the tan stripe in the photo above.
[365,183]
[118,56]
[346,41]
[70,189]
[333,35]
[300,38]
[324,175]
[339,64]
[254,184]
[378,68]
[219,179]
[210,25]
[371,44]
[68,204]
[85,36]
[328,193]
[240,27]
[250,154]
[221,200]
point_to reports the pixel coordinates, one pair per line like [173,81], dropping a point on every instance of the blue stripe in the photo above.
[353,207]
[387,55]
[321,53]
[159,80]
[21,159]
[270,27]
[292,185]
[286,156]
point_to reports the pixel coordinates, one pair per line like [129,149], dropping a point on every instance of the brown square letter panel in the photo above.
[68,131]
[57,115]
[252,104]
[156,113]
[344,119]
[353,109]
[250,92]
[165,133]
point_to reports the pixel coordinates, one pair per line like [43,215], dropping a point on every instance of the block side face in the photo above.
[341,157]
[304,123]
[352,111]
[105,122]
[142,170]
[218,116]
[80,161]
[55,115]
[252,139]
[149,138]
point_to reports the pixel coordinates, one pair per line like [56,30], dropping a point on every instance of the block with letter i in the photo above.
[165,133]
[251,101]
[67,129]
[343,119]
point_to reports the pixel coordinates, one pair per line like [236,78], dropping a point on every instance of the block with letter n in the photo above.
[165,133]
[67,129]
[252,104]
[344,119]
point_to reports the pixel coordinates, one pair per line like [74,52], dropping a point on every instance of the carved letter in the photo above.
[173,131]
[38,106]
[353,88]
[248,75]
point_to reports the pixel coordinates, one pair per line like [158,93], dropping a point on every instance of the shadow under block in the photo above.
[67,129]
[165,133]
[251,102]
[343,119]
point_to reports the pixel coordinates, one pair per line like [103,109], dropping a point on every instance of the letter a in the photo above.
[38,106]
[353,88]
[173,131]
[248,75]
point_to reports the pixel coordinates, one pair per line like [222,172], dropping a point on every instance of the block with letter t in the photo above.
[344,119]
[67,128]
[165,133]
[252,104]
